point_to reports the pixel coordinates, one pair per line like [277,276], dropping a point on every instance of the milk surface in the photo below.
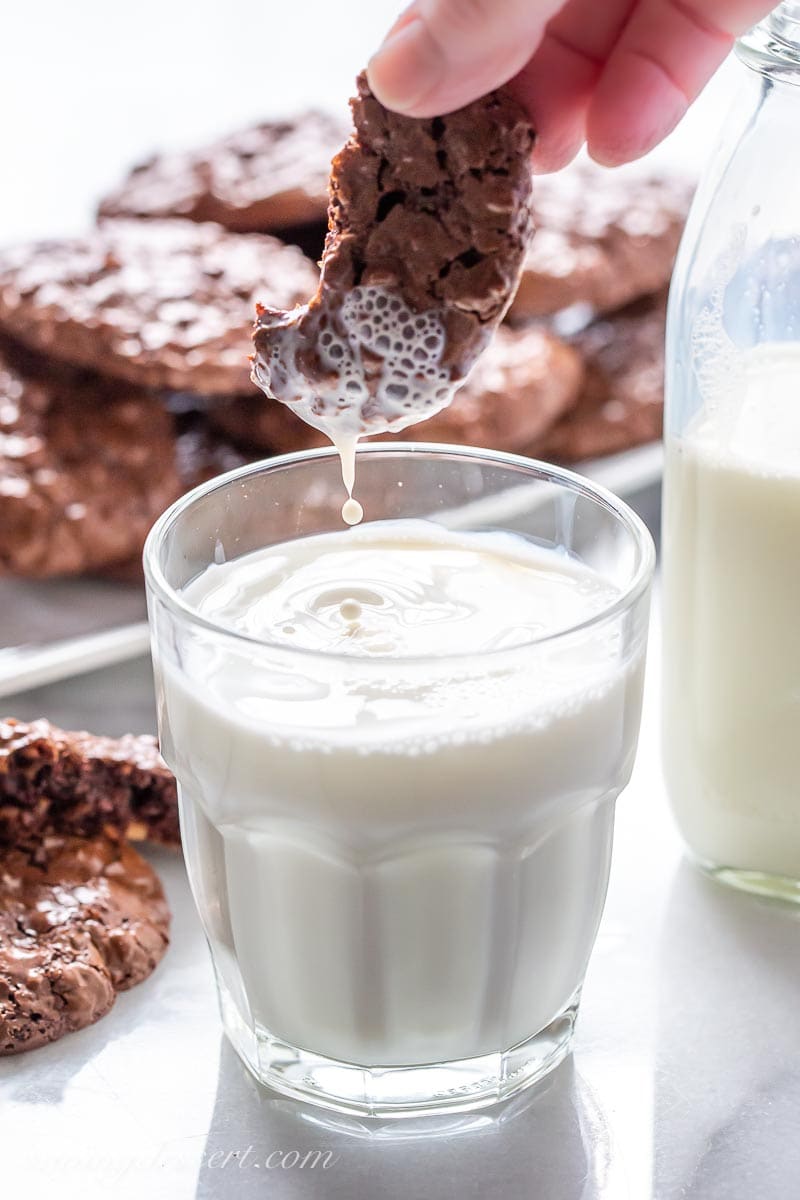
[732,622]
[401,589]
[398,814]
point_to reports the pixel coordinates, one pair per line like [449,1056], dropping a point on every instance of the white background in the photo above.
[88,86]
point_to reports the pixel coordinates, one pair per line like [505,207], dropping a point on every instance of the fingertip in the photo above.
[619,129]
[410,74]
[556,96]
[606,156]
[550,155]
[443,55]
[612,144]
[406,68]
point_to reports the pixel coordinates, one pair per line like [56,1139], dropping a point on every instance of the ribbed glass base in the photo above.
[398,1091]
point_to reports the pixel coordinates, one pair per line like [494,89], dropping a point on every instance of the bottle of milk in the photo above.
[732,488]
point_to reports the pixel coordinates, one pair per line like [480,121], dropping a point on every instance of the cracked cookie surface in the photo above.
[621,403]
[54,781]
[80,920]
[603,238]
[429,223]
[161,304]
[86,466]
[261,179]
[524,381]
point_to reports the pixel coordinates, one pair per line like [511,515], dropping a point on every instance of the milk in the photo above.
[397,816]
[732,622]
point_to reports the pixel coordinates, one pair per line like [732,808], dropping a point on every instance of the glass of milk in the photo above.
[398,749]
[732,489]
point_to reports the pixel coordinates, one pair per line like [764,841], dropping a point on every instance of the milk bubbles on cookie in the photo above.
[383,371]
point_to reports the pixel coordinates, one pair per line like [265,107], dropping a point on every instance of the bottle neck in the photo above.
[773,46]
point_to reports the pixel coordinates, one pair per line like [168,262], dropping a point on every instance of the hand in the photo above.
[617,74]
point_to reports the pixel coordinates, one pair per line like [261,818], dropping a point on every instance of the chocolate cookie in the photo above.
[80,920]
[261,179]
[258,423]
[520,386]
[77,783]
[603,238]
[162,304]
[86,465]
[525,380]
[201,452]
[429,224]
[622,401]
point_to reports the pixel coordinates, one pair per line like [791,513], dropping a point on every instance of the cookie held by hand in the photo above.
[429,224]
[523,383]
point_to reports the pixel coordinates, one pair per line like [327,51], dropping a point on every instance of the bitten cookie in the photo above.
[161,304]
[525,380]
[603,238]
[429,224]
[622,401]
[258,180]
[78,783]
[80,920]
[86,465]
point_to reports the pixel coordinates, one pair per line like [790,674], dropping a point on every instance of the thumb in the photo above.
[442,54]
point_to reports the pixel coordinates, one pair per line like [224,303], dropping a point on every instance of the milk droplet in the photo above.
[352,512]
[350,610]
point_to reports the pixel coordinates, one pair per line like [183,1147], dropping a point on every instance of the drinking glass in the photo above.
[401,891]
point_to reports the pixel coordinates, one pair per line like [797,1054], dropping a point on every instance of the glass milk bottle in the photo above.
[732,488]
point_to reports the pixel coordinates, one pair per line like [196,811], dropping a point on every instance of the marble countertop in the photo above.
[684,1081]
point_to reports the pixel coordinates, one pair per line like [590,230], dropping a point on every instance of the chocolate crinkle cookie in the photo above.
[603,238]
[160,304]
[86,466]
[200,453]
[621,403]
[524,382]
[88,463]
[82,784]
[81,919]
[526,379]
[429,223]
[268,177]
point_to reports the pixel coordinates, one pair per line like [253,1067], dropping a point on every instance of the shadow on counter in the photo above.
[551,1143]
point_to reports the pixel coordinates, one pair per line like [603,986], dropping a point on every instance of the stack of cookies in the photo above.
[110,344]
[82,915]
[124,374]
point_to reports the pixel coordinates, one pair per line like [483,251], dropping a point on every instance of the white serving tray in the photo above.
[56,629]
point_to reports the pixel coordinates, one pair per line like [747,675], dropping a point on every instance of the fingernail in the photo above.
[406,68]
